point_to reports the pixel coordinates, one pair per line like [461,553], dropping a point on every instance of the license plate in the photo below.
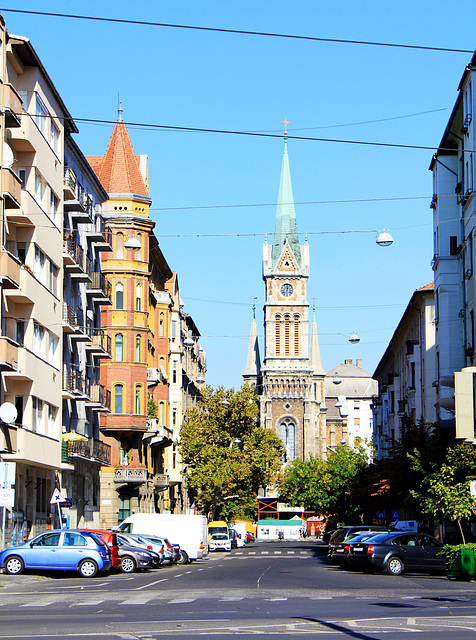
[358,549]
[339,550]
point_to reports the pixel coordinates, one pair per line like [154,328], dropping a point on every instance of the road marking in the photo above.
[230,599]
[290,552]
[151,584]
[181,601]
[264,553]
[277,553]
[179,575]
[139,599]
[86,604]
[38,603]
[252,553]
[276,599]
[187,572]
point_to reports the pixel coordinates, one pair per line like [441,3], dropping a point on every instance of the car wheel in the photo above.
[183,557]
[128,564]
[394,566]
[14,565]
[88,568]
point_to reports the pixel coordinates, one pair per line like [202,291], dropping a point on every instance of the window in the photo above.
[139,251]
[296,335]
[118,396]
[138,297]
[453,245]
[53,279]
[53,211]
[286,335]
[278,335]
[40,190]
[119,295]
[356,423]
[42,119]
[161,413]
[174,416]
[74,540]
[356,404]
[20,332]
[53,136]
[53,350]
[138,348]
[19,404]
[174,372]
[412,375]
[119,348]
[161,324]
[174,329]
[119,246]
[287,432]
[137,399]
[38,340]
[22,176]
[37,417]
[52,427]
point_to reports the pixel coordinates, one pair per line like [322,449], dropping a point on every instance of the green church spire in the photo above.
[286,226]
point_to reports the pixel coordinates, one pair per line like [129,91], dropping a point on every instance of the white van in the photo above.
[189,531]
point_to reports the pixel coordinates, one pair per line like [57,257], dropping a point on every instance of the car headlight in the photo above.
[144,555]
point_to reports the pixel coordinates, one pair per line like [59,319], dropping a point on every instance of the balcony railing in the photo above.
[69,179]
[134,475]
[100,395]
[69,314]
[100,340]
[90,449]
[99,285]
[74,381]
[11,189]
[12,106]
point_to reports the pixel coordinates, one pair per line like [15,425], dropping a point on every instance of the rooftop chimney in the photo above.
[358,363]
[348,361]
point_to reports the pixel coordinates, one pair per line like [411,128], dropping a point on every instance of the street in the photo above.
[268,589]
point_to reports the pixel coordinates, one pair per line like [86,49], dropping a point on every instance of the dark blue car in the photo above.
[61,549]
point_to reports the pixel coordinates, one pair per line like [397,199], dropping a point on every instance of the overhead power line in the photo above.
[238,31]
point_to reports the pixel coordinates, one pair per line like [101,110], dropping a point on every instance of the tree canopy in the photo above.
[326,486]
[228,457]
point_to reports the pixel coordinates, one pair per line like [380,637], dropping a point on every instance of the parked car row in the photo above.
[390,551]
[89,552]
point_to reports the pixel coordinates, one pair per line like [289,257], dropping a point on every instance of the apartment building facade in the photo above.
[454,207]
[406,374]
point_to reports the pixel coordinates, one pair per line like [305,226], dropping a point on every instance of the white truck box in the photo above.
[189,531]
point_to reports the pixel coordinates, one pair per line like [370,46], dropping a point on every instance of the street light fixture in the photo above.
[336,379]
[354,338]
[384,239]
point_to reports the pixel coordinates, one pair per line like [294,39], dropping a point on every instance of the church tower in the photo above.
[291,375]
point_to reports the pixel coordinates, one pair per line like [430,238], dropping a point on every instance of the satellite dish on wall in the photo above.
[8,412]
[8,157]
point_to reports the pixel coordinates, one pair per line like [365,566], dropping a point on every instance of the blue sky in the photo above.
[208,80]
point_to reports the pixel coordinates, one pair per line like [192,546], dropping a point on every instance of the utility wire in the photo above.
[238,31]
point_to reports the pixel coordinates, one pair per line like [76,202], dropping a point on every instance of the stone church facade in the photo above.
[290,380]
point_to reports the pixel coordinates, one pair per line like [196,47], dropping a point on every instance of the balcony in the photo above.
[12,106]
[8,438]
[75,385]
[27,137]
[9,271]
[99,288]
[29,291]
[100,343]
[99,398]
[157,433]
[11,189]
[91,450]
[153,376]
[69,184]
[8,354]
[132,475]
[160,481]
[100,235]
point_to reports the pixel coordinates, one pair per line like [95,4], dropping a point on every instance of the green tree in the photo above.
[228,457]
[326,486]
[445,488]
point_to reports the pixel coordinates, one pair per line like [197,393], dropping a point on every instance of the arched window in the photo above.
[119,246]
[138,391]
[161,324]
[119,295]
[296,335]
[138,348]
[287,434]
[138,297]
[286,335]
[118,398]
[119,347]
[278,335]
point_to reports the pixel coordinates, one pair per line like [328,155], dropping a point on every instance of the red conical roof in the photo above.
[118,170]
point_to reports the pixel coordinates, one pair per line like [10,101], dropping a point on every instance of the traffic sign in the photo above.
[472,487]
[57,497]
[473,508]
[7,497]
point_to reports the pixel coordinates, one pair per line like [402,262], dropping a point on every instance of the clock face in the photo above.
[286,290]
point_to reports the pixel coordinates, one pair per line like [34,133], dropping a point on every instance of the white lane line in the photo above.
[90,603]
[187,572]
[150,584]
[265,553]
[181,601]
[39,603]
[276,599]
[277,553]
[290,552]
[139,599]
[252,553]
[230,599]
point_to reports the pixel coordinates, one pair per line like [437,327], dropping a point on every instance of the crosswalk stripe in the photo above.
[89,603]
[38,603]
[181,601]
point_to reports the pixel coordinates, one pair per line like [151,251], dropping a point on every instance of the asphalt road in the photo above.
[266,589]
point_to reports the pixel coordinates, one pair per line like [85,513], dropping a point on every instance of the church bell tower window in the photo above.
[286,335]
[278,335]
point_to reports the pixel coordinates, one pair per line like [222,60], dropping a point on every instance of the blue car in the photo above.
[60,549]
